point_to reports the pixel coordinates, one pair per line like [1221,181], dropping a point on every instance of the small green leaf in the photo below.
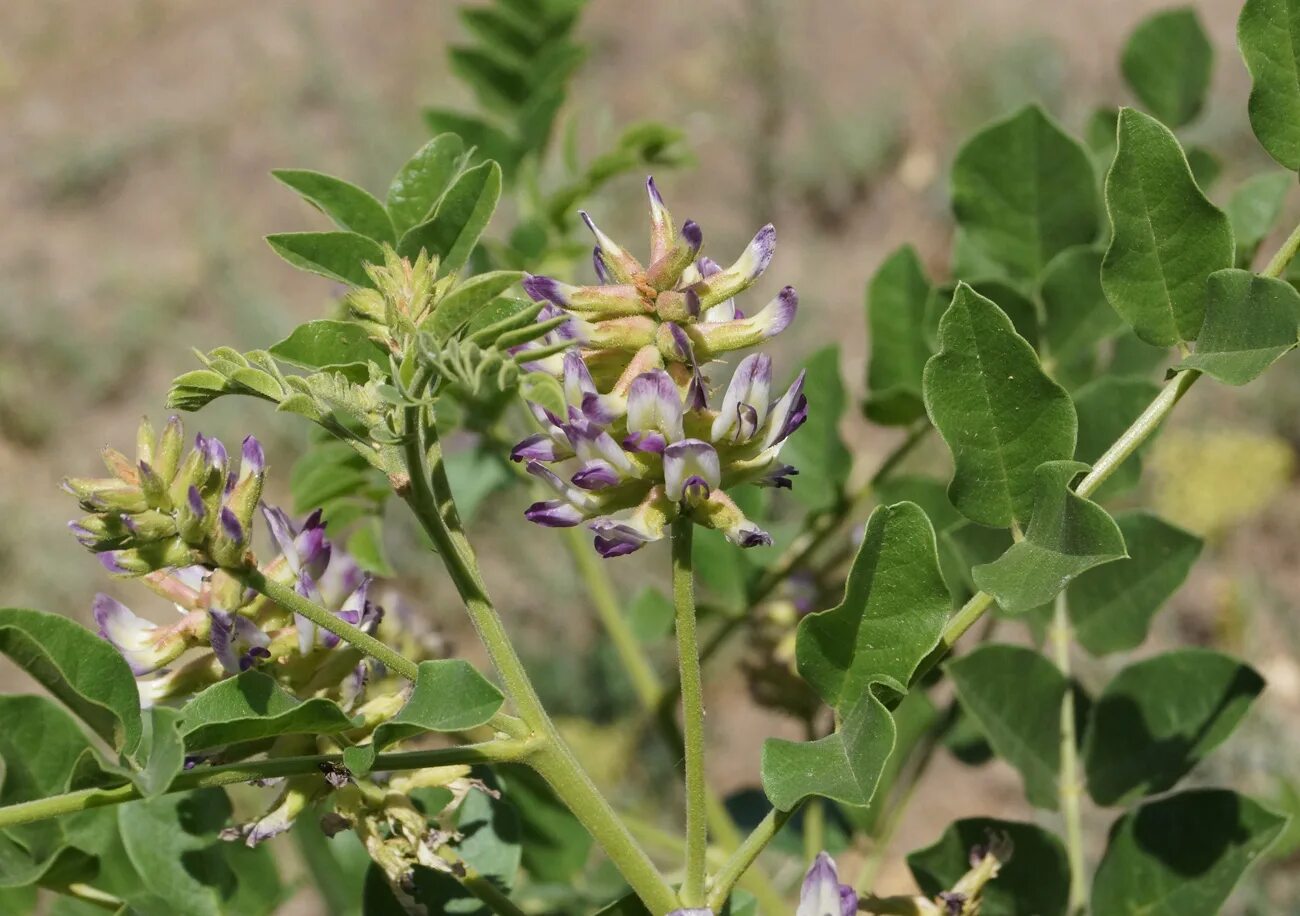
[336,866]
[999,413]
[1106,406]
[1023,190]
[1158,718]
[161,754]
[421,181]
[816,449]
[1166,238]
[1268,33]
[1066,536]
[499,84]
[1111,608]
[1250,322]
[80,669]
[1181,855]
[896,303]
[251,706]
[1077,316]
[467,300]
[1035,882]
[352,209]
[328,344]
[340,256]
[1254,208]
[1015,695]
[462,214]
[449,696]
[1167,64]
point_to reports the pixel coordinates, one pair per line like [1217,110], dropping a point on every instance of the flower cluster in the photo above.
[636,437]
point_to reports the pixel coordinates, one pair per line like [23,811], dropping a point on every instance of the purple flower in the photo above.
[237,642]
[144,645]
[822,894]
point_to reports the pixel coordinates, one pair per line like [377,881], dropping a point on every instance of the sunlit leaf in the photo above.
[351,208]
[1250,323]
[251,706]
[422,179]
[340,256]
[462,215]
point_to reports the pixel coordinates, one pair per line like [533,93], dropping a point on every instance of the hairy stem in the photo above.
[740,861]
[1070,788]
[228,774]
[688,659]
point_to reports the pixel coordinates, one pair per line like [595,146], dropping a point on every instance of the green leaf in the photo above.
[1181,855]
[1166,237]
[650,614]
[161,754]
[816,449]
[1035,882]
[1268,33]
[1023,190]
[894,608]
[499,85]
[340,256]
[1254,208]
[251,706]
[490,838]
[999,413]
[80,669]
[1014,695]
[421,181]
[1250,322]
[487,141]
[1206,167]
[555,845]
[1077,316]
[1106,406]
[328,344]
[462,214]
[172,842]
[896,304]
[467,300]
[1167,64]
[1111,608]
[352,209]
[336,865]
[475,475]
[1067,535]
[449,696]
[1158,718]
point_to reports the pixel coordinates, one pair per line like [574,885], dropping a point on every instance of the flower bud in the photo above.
[230,541]
[145,645]
[137,561]
[144,441]
[171,443]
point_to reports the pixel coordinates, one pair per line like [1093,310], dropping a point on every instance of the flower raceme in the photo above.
[640,455]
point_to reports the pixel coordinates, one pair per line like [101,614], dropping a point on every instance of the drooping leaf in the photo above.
[161,754]
[1254,208]
[328,344]
[999,413]
[250,706]
[462,215]
[1111,608]
[1106,406]
[1014,695]
[817,449]
[351,208]
[896,303]
[466,300]
[1166,239]
[1251,321]
[450,695]
[1035,882]
[80,669]
[1077,316]
[1181,855]
[422,179]
[1268,33]
[1167,64]
[1024,190]
[893,612]
[555,844]
[1067,535]
[1159,717]
[340,256]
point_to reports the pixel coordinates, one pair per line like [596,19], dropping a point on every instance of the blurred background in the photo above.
[135,143]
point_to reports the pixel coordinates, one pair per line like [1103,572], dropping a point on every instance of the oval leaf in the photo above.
[80,669]
[1250,323]
[896,306]
[327,344]
[1167,64]
[251,706]
[421,181]
[1077,316]
[462,214]
[467,300]
[1166,237]
[340,256]
[1268,34]
[352,209]
[1158,718]
[999,413]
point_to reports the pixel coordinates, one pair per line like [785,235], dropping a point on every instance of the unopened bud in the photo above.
[144,441]
[167,457]
[153,487]
[229,543]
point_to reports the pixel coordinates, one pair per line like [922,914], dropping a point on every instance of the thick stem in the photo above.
[231,773]
[688,658]
[740,861]
[1070,789]
[289,599]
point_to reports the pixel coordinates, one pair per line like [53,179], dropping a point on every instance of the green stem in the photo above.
[740,861]
[1070,789]
[1285,255]
[228,774]
[488,893]
[688,659]
[289,599]
[814,828]
[429,495]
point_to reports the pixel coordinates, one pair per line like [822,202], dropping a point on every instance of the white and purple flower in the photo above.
[822,894]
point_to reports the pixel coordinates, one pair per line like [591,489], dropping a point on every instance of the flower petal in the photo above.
[686,460]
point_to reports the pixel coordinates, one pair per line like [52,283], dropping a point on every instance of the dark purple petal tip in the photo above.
[543,289]
[230,526]
[254,459]
[693,234]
